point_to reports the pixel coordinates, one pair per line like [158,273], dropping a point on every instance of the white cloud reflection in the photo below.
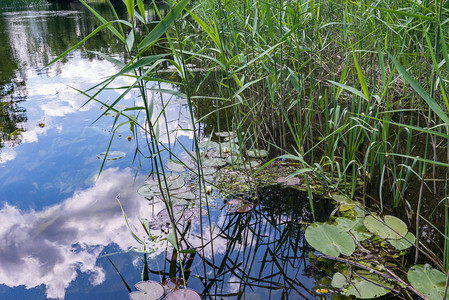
[50,246]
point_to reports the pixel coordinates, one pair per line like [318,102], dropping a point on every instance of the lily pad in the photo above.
[147,191]
[175,166]
[364,289]
[208,145]
[255,153]
[148,290]
[183,194]
[428,281]
[234,159]
[338,281]
[293,181]
[404,243]
[329,239]
[209,171]
[111,155]
[239,206]
[183,294]
[388,228]
[214,162]
[353,225]
[281,180]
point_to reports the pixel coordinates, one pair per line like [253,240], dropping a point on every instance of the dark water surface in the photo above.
[58,221]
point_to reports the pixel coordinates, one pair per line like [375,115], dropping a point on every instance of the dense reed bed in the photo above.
[354,92]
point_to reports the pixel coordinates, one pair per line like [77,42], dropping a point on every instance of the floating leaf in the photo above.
[214,162]
[183,294]
[209,171]
[183,194]
[366,290]
[292,181]
[329,239]
[148,290]
[281,180]
[388,228]
[341,198]
[404,243]
[175,166]
[239,206]
[234,159]
[147,191]
[353,225]
[112,155]
[339,281]
[257,153]
[208,145]
[428,281]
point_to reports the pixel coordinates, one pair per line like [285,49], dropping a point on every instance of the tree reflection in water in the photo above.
[260,254]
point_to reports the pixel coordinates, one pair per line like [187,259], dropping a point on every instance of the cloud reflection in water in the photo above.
[50,246]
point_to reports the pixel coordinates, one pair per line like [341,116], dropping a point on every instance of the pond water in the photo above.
[60,222]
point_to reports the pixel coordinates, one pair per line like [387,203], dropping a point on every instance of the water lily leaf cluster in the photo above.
[369,244]
[152,290]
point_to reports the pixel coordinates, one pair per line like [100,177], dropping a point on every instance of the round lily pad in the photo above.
[338,281]
[329,239]
[208,145]
[234,159]
[353,225]
[365,289]
[111,155]
[183,294]
[428,281]
[255,153]
[146,191]
[389,227]
[148,290]
[175,166]
[214,162]
[293,181]
[239,206]
[404,243]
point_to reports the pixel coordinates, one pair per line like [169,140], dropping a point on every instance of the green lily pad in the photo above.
[183,194]
[428,281]
[404,243]
[339,281]
[255,153]
[147,191]
[183,294]
[234,159]
[364,289]
[111,155]
[293,181]
[208,145]
[329,239]
[388,228]
[214,162]
[148,290]
[353,225]
[175,166]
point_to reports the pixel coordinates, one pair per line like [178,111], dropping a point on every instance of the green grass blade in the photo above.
[163,25]
[420,90]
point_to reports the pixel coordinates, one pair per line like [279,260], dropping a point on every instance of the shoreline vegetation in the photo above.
[353,94]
